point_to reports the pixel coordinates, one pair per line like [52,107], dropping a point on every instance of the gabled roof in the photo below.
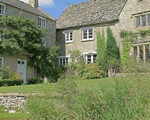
[90,13]
[26,7]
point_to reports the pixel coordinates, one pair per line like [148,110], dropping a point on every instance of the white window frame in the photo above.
[68,32]
[3,10]
[44,39]
[41,22]
[91,54]
[62,58]
[87,29]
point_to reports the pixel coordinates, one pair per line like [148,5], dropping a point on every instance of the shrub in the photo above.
[93,71]
[8,82]
[35,81]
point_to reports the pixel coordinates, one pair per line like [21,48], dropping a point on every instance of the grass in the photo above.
[8,116]
[89,83]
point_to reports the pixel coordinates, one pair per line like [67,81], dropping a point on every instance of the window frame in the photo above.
[92,58]
[147,18]
[4,9]
[45,42]
[62,63]
[87,29]
[69,40]
[41,18]
[138,56]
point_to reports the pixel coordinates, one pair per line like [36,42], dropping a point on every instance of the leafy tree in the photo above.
[112,51]
[22,35]
[101,51]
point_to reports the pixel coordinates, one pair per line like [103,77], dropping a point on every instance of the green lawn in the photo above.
[8,116]
[91,83]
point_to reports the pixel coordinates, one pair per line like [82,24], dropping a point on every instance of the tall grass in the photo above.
[127,99]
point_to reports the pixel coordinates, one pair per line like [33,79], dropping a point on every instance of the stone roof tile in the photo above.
[90,13]
[24,6]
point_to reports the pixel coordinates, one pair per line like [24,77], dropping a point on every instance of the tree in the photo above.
[101,51]
[23,35]
[112,51]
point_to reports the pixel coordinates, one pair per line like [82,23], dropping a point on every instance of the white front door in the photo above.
[21,68]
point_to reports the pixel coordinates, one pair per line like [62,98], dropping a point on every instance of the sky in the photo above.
[56,7]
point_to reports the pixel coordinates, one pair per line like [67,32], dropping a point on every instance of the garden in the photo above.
[77,90]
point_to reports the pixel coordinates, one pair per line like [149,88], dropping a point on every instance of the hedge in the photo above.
[8,82]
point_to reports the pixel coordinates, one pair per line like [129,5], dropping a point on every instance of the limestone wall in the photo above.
[13,101]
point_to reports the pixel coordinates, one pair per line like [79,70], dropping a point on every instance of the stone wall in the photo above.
[13,101]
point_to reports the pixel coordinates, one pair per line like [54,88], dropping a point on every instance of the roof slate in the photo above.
[90,13]
[24,6]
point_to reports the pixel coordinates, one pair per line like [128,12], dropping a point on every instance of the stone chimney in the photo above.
[34,3]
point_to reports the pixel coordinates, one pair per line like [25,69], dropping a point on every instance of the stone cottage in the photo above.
[18,63]
[78,24]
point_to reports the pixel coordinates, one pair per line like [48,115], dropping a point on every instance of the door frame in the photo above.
[25,79]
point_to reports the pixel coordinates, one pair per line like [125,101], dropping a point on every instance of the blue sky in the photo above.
[56,7]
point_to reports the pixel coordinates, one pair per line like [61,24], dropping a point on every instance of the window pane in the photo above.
[94,58]
[85,34]
[90,34]
[70,36]
[148,19]
[141,53]
[43,23]
[39,21]
[88,59]
[66,60]
[63,61]
[147,50]
[138,23]
[144,20]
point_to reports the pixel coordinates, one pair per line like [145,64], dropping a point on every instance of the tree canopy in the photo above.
[22,35]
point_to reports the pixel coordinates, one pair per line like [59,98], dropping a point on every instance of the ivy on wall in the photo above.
[20,35]
[127,38]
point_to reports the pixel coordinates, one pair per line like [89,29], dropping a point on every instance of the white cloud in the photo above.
[43,2]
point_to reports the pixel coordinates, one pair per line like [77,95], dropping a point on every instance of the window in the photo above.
[87,34]
[43,42]
[41,22]
[144,20]
[138,22]
[2,9]
[142,53]
[69,36]
[91,58]
[140,0]
[63,61]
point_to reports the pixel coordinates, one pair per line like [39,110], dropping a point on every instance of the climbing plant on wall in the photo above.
[112,51]
[21,34]
[127,38]
[101,51]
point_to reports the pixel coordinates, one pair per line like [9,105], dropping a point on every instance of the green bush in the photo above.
[93,71]
[35,81]
[8,82]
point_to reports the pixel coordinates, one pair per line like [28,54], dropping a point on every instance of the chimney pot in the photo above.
[34,3]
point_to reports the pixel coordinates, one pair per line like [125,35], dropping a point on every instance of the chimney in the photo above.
[34,3]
